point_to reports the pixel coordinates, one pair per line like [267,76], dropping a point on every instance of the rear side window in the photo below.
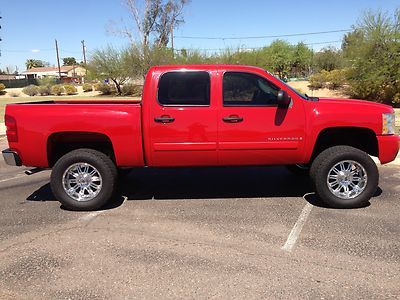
[246,89]
[184,88]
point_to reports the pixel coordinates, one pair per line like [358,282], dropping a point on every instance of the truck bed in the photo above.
[39,123]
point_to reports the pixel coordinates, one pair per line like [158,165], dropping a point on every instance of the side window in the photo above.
[184,88]
[246,89]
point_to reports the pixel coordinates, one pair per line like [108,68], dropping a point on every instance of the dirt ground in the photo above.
[302,86]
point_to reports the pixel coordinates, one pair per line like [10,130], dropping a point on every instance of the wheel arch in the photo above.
[358,137]
[60,143]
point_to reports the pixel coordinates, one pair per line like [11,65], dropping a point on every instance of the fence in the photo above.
[19,83]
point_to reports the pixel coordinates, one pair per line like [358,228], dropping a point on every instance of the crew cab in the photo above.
[204,115]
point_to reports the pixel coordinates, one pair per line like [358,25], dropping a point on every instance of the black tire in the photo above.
[328,159]
[301,170]
[98,160]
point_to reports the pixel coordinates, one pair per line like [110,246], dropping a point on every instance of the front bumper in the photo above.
[11,158]
[388,147]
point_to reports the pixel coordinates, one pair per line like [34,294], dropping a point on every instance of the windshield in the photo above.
[304,96]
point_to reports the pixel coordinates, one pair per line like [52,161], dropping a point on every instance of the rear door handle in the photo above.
[232,119]
[164,119]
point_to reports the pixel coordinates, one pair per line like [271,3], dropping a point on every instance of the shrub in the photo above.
[87,87]
[132,90]
[97,86]
[104,88]
[31,90]
[2,88]
[57,89]
[336,79]
[47,81]
[70,89]
[44,90]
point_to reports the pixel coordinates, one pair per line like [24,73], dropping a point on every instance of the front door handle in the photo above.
[232,119]
[164,119]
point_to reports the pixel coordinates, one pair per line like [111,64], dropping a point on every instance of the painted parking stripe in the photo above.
[296,230]
[12,178]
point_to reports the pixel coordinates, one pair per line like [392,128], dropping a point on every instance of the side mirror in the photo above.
[283,98]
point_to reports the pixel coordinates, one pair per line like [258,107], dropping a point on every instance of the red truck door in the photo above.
[253,130]
[183,120]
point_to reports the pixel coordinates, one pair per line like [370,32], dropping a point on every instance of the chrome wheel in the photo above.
[347,179]
[82,182]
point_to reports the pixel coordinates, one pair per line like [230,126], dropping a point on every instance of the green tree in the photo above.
[69,61]
[372,56]
[328,59]
[278,57]
[34,63]
[111,63]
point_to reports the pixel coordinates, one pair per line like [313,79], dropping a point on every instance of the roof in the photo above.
[207,67]
[49,69]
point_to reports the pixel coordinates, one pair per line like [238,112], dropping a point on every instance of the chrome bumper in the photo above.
[11,158]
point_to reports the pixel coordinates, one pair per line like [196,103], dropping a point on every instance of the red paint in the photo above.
[198,136]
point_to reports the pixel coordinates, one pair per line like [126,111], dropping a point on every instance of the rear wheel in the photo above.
[83,179]
[344,177]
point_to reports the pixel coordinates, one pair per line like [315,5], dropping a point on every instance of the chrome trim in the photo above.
[347,179]
[11,157]
[82,181]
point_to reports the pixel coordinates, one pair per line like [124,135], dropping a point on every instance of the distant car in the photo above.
[204,115]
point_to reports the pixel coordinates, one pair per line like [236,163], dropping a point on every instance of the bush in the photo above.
[47,81]
[70,89]
[104,88]
[31,90]
[87,87]
[57,89]
[319,80]
[44,90]
[336,79]
[2,88]
[97,86]
[132,90]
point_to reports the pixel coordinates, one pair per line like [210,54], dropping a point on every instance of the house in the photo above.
[68,73]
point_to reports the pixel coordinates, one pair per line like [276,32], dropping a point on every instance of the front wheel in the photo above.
[83,179]
[344,177]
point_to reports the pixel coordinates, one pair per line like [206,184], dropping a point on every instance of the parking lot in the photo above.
[252,233]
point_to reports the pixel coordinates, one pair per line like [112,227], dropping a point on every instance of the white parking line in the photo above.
[12,178]
[94,214]
[296,230]
[91,215]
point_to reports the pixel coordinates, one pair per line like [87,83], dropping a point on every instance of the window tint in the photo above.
[248,89]
[184,88]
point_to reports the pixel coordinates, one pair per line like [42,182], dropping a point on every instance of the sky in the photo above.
[29,27]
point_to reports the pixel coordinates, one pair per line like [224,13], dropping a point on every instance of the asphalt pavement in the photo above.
[239,233]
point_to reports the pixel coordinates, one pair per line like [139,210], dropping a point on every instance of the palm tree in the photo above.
[33,63]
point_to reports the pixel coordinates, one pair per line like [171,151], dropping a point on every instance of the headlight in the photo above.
[388,123]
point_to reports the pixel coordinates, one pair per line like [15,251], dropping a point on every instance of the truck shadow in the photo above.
[204,183]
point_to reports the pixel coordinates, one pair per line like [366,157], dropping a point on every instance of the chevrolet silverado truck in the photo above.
[204,115]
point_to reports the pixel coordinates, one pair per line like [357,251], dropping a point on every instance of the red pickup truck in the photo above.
[204,115]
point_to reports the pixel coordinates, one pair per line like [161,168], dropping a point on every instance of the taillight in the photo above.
[12,132]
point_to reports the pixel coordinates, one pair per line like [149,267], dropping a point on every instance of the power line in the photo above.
[253,48]
[261,37]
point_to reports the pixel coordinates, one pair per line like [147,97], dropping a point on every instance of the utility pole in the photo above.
[172,40]
[58,61]
[84,51]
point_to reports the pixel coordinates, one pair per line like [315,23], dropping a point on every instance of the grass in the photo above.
[4,101]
